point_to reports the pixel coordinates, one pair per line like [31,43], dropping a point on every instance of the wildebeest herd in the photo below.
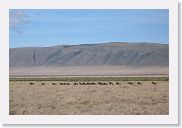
[94,83]
[89,96]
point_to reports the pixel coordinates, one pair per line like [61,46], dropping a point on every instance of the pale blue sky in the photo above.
[63,27]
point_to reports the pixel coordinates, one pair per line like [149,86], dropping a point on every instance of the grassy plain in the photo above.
[89,96]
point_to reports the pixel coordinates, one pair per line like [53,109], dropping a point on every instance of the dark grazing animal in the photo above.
[139,83]
[75,83]
[102,83]
[54,84]
[131,83]
[154,83]
[117,83]
[42,83]
[67,83]
[82,83]
[31,83]
[111,83]
[64,83]
[93,83]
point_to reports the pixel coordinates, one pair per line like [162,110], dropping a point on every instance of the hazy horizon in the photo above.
[52,27]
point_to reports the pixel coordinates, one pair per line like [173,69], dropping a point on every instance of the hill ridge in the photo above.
[110,53]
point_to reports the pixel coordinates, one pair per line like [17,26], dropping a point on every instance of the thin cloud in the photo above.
[17,18]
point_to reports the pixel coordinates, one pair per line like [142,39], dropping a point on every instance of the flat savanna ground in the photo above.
[89,96]
[89,71]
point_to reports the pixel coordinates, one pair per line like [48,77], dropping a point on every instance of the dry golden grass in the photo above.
[124,99]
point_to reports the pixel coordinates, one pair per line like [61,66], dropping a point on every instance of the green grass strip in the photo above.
[93,79]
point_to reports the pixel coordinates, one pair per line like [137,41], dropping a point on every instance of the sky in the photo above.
[50,27]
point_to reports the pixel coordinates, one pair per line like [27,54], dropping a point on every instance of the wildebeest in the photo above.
[111,83]
[64,83]
[75,83]
[42,83]
[102,83]
[99,83]
[154,83]
[31,83]
[82,83]
[67,83]
[117,83]
[105,83]
[93,83]
[139,83]
[130,83]
[54,84]
[90,83]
